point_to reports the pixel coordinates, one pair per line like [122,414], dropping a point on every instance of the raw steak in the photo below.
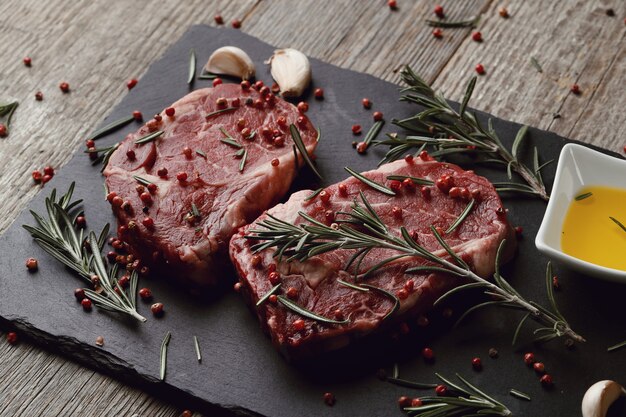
[193,219]
[476,240]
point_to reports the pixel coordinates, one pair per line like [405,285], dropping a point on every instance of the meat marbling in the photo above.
[193,248]
[476,240]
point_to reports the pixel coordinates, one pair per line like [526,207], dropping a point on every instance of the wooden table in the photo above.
[97,46]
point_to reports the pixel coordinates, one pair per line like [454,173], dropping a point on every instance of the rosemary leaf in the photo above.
[231,143]
[313,194]
[244,158]
[471,23]
[396,301]
[519,394]
[461,217]
[396,371]
[519,328]
[371,183]
[195,211]
[192,66]
[617,346]
[373,132]
[216,112]
[617,222]
[306,313]
[163,355]
[201,153]
[521,134]
[206,75]
[416,180]
[149,137]
[141,180]
[111,127]
[197,347]
[583,196]
[267,295]
[297,139]
[410,384]
[536,64]
[353,286]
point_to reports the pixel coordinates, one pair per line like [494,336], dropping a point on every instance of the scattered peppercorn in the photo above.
[38,96]
[100,341]
[292,292]
[218,19]
[539,367]
[275,162]
[157,309]
[477,37]
[356,130]
[12,338]
[318,93]
[131,83]
[610,12]
[437,33]
[170,111]
[298,325]
[329,399]
[237,286]
[236,23]
[65,87]
[404,401]
[493,353]
[27,61]
[86,304]
[186,413]
[181,176]
[79,293]
[480,69]
[81,222]
[477,364]
[378,116]
[546,381]
[503,12]
[32,264]
[3,130]
[555,283]
[529,359]
[441,390]
[303,107]
[367,103]
[217,81]
[518,232]
[575,89]
[428,354]
[416,402]
[439,12]
[137,115]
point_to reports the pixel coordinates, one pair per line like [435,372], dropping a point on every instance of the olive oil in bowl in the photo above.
[593,229]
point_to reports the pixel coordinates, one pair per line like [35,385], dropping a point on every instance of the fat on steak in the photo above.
[476,240]
[227,185]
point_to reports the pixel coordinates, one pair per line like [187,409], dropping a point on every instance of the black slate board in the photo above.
[240,371]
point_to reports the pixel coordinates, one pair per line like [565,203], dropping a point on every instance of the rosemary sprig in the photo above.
[104,155]
[459,132]
[461,217]
[617,346]
[369,182]
[617,222]
[470,401]
[363,229]
[58,236]
[244,159]
[111,127]
[149,137]
[8,110]
[373,132]
[297,139]
[163,355]
[470,23]
[141,180]
[197,347]
[307,313]
[201,153]
[583,196]
[192,66]
[216,112]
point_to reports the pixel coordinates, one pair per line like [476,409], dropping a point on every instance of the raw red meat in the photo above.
[476,240]
[193,246]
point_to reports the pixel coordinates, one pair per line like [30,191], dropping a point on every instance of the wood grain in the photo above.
[97,46]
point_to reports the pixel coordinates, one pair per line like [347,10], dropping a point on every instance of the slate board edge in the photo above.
[102,361]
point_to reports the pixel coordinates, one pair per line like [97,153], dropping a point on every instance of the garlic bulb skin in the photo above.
[291,70]
[230,60]
[599,398]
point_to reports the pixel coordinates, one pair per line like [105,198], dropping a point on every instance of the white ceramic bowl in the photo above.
[578,167]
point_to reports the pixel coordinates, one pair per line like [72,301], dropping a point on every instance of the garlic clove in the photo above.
[599,398]
[230,60]
[291,70]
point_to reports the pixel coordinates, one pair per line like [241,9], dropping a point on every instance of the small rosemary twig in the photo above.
[363,229]
[57,234]
[458,132]
[469,400]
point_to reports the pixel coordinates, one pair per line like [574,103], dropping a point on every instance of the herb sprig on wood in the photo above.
[362,229]
[450,131]
[8,110]
[58,235]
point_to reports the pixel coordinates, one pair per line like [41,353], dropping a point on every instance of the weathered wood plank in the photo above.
[575,42]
